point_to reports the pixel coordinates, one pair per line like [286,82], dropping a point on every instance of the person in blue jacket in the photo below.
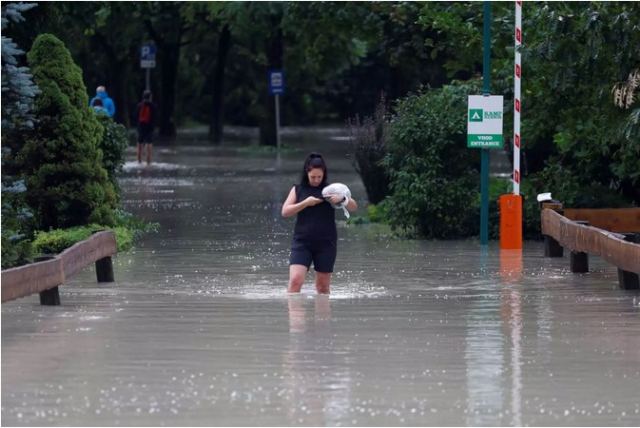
[107,102]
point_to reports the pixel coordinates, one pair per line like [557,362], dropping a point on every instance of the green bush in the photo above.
[61,158]
[57,240]
[16,232]
[375,214]
[434,176]
[127,229]
[113,144]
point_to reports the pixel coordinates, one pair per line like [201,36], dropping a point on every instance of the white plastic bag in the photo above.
[338,189]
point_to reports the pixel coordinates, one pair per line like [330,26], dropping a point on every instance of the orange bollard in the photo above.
[510,222]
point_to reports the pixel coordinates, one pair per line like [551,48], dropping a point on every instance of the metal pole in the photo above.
[278,121]
[484,153]
[148,79]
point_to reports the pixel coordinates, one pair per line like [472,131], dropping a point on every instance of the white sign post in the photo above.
[484,122]
[276,87]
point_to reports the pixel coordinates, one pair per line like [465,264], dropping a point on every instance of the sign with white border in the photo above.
[484,122]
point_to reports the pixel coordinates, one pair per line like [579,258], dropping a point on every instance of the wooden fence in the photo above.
[582,239]
[45,276]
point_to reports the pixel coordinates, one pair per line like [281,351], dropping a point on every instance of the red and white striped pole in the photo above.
[517,100]
[511,204]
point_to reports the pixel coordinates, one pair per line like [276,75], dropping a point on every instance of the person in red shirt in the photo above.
[146,115]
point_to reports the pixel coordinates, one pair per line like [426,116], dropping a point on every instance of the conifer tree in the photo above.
[61,160]
[18,92]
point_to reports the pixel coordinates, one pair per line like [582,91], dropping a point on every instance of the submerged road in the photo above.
[199,330]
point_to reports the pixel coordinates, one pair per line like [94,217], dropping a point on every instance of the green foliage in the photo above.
[378,213]
[18,91]
[580,53]
[113,144]
[433,175]
[128,229]
[57,240]
[16,225]
[573,55]
[369,141]
[60,159]
[136,225]
[375,214]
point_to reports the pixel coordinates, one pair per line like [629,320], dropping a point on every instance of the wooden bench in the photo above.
[46,275]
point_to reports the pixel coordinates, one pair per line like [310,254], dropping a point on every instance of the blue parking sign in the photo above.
[276,82]
[148,55]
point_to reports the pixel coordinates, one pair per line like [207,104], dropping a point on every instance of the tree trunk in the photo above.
[119,93]
[169,74]
[274,50]
[217,108]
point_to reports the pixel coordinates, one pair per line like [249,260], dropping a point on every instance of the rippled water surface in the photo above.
[199,330]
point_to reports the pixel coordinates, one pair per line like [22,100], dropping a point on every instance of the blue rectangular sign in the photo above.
[276,82]
[148,52]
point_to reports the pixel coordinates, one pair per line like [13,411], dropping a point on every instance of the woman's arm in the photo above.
[351,205]
[290,208]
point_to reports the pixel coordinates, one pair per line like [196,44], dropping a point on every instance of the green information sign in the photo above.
[484,122]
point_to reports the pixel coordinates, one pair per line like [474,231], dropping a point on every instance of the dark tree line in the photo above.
[213,58]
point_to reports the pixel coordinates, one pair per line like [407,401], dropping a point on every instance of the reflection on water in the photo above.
[199,329]
[484,356]
[511,311]
[319,383]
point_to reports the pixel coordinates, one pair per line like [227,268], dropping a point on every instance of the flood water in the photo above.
[198,328]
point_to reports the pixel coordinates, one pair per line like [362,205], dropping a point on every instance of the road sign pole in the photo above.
[147,61]
[484,153]
[278,120]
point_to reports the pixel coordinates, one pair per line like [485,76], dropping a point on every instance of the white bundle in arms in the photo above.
[338,189]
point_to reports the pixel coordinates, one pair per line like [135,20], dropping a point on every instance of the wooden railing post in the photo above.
[104,269]
[51,296]
[629,280]
[579,261]
[552,248]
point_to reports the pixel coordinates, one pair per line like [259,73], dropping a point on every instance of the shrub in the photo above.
[113,144]
[369,141]
[61,160]
[434,176]
[16,230]
[57,240]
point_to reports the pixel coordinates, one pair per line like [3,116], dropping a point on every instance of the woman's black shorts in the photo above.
[321,253]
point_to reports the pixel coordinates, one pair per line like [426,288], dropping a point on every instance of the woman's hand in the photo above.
[336,199]
[291,208]
[311,201]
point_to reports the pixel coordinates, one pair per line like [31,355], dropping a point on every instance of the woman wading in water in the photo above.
[315,236]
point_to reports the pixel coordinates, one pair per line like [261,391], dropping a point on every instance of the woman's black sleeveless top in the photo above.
[316,223]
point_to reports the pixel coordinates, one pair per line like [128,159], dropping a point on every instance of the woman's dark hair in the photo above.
[314,160]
